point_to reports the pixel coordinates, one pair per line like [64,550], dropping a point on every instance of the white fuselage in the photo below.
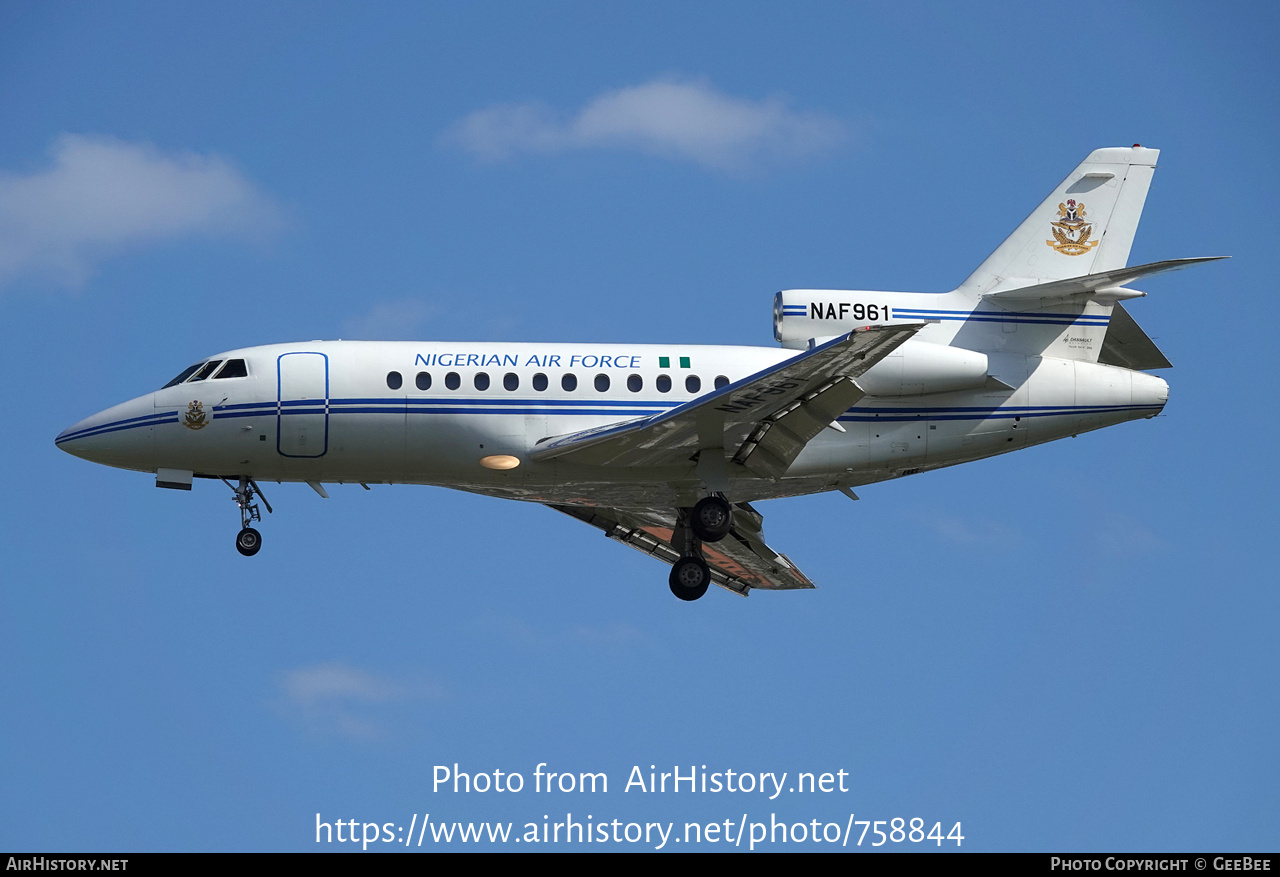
[353,411]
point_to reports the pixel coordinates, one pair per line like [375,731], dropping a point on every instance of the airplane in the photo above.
[666,447]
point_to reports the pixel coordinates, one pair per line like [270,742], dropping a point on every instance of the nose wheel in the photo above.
[248,540]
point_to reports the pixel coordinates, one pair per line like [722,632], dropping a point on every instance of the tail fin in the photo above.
[1085,226]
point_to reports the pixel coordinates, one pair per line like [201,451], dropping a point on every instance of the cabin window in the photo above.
[511,381]
[602,383]
[693,383]
[663,383]
[394,380]
[482,380]
[635,383]
[186,373]
[539,382]
[233,369]
[569,383]
[721,381]
[206,371]
[423,381]
[452,381]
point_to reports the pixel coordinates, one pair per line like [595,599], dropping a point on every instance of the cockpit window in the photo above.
[206,371]
[186,373]
[233,369]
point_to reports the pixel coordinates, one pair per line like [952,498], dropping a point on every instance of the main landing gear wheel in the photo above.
[248,541]
[711,519]
[690,578]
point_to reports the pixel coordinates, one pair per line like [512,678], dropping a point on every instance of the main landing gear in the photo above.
[708,521]
[690,577]
[711,519]
[248,540]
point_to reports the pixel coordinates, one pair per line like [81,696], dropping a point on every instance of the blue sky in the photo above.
[1070,648]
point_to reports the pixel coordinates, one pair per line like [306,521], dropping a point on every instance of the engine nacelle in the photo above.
[920,368]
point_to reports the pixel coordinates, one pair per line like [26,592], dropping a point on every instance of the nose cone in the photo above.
[119,436]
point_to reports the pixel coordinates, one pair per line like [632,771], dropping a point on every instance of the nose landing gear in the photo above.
[248,540]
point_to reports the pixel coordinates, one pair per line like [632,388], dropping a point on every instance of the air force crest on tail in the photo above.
[195,418]
[1071,232]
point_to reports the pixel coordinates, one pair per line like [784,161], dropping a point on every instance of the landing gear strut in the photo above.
[248,540]
[690,576]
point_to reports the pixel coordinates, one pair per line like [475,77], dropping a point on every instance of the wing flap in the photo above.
[776,442]
[738,562]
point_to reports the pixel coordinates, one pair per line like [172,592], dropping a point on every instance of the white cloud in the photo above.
[518,632]
[103,196]
[337,697]
[975,531]
[668,117]
[618,634]
[1126,536]
[397,320]
[327,683]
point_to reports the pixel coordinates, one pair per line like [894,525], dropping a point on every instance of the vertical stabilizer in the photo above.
[1086,225]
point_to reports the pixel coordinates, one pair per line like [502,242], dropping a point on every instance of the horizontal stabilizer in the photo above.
[1090,284]
[1127,346]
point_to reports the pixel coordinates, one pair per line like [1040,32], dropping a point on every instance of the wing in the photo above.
[762,421]
[739,562]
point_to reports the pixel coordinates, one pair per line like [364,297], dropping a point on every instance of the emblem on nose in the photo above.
[195,418]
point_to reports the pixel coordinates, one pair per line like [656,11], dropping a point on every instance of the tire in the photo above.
[248,541]
[711,519]
[690,578]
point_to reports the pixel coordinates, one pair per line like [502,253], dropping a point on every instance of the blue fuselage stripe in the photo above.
[1030,317]
[116,426]
[584,408]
